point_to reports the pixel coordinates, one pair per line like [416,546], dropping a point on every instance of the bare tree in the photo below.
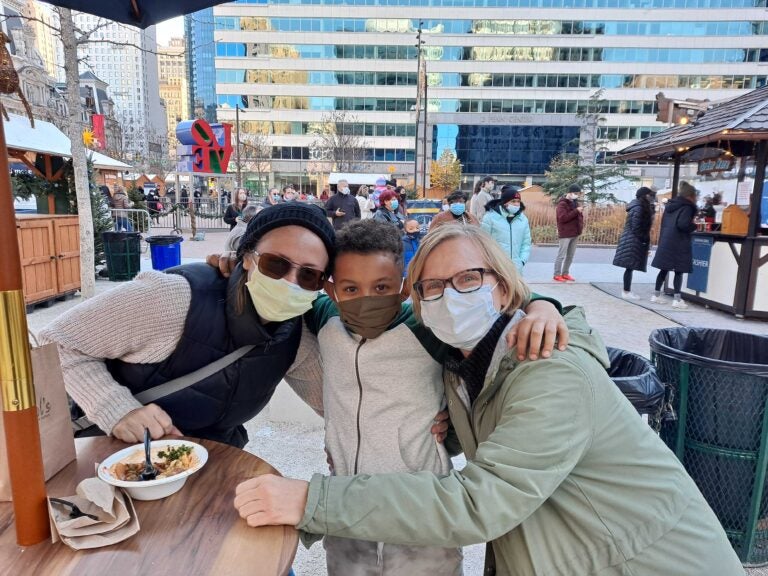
[337,140]
[79,160]
[256,155]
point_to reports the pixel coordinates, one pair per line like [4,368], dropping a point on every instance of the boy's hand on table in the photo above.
[271,500]
[440,427]
[536,334]
[130,428]
[225,262]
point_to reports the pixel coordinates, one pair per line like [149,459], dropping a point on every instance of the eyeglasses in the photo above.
[465,281]
[278,267]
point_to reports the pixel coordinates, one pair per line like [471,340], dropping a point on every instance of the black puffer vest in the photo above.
[216,408]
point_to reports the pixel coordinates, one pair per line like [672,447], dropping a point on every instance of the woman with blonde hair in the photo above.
[562,476]
[366,204]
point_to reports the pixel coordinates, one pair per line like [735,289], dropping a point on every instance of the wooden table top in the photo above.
[196,531]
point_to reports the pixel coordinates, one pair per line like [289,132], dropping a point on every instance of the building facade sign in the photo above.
[719,164]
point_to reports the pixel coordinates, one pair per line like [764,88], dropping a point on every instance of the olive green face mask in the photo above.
[370,316]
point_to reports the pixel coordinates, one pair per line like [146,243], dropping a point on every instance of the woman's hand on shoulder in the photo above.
[225,262]
[537,333]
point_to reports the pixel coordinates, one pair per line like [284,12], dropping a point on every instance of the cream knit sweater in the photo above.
[141,322]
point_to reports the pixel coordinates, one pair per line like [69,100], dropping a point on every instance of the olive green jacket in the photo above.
[562,477]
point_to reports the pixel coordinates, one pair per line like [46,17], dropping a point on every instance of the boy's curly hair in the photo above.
[370,236]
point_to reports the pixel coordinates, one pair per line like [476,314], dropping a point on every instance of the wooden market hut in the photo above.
[731,266]
[44,148]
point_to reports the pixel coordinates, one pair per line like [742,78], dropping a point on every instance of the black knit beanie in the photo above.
[308,216]
[643,192]
[509,192]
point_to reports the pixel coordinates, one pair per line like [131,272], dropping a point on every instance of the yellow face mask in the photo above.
[277,300]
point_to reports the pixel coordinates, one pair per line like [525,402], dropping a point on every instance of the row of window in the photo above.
[371,154]
[640,4]
[494,53]
[301,128]
[506,27]
[435,105]
[627,132]
[487,79]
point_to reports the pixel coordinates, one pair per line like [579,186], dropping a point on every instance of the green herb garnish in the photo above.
[175,453]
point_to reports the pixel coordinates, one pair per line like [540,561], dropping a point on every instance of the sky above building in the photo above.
[173,28]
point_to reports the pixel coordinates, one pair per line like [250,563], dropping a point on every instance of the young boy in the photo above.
[382,387]
[382,390]
[411,241]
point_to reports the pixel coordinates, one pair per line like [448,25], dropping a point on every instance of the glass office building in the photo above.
[505,78]
[200,54]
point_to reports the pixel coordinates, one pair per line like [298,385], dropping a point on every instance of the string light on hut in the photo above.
[9,79]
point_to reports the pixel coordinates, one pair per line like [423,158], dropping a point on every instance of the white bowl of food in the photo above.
[175,461]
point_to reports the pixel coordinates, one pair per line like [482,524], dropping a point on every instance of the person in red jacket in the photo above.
[570,223]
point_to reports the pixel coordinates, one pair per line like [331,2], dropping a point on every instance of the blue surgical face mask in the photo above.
[395,204]
[513,208]
[457,208]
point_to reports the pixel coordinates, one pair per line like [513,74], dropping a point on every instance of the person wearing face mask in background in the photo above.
[366,204]
[375,423]
[343,207]
[482,195]
[411,241]
[456,212]
[273,197]
[562,476]
[282,263]
[289,194]
[570,223]
[235,210]
[505,222]
[388,210]
[402,201]
[635,241]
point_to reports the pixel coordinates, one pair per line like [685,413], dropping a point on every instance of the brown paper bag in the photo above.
[56,435]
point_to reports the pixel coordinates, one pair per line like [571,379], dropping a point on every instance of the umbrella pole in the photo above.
[22,435]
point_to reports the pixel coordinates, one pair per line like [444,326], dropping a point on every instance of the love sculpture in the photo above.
[204,148]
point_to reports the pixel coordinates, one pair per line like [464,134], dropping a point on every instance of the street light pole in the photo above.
[424,141]
[419,43]
[237,138]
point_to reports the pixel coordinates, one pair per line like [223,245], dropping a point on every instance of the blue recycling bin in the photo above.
[165,251]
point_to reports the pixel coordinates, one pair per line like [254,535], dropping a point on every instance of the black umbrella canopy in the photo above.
[141,13]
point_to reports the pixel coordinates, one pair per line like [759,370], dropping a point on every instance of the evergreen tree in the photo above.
[587,168]
[102,218]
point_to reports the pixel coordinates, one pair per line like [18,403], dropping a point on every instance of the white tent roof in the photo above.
[46,138]
[355,178]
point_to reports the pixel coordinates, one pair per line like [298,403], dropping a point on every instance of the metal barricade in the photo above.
[209,215]
[132,220]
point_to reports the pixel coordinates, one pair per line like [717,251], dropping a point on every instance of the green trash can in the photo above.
[122,250]
[717,384]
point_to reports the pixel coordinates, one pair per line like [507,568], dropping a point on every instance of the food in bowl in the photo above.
[160,487]
[167,461]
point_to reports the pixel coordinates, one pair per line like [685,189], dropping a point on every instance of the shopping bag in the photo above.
[56,436]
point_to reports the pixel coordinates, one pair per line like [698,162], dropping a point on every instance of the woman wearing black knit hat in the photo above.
[113,350]
[632,250]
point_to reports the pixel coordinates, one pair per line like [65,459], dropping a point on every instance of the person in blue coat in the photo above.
[505,222]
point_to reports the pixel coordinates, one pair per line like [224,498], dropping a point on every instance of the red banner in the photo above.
[98,131]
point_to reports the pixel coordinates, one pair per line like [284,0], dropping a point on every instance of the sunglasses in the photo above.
[277,267]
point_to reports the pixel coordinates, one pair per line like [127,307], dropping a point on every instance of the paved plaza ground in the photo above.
[290,437]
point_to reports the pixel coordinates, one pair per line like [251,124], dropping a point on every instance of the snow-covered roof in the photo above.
[45,138]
